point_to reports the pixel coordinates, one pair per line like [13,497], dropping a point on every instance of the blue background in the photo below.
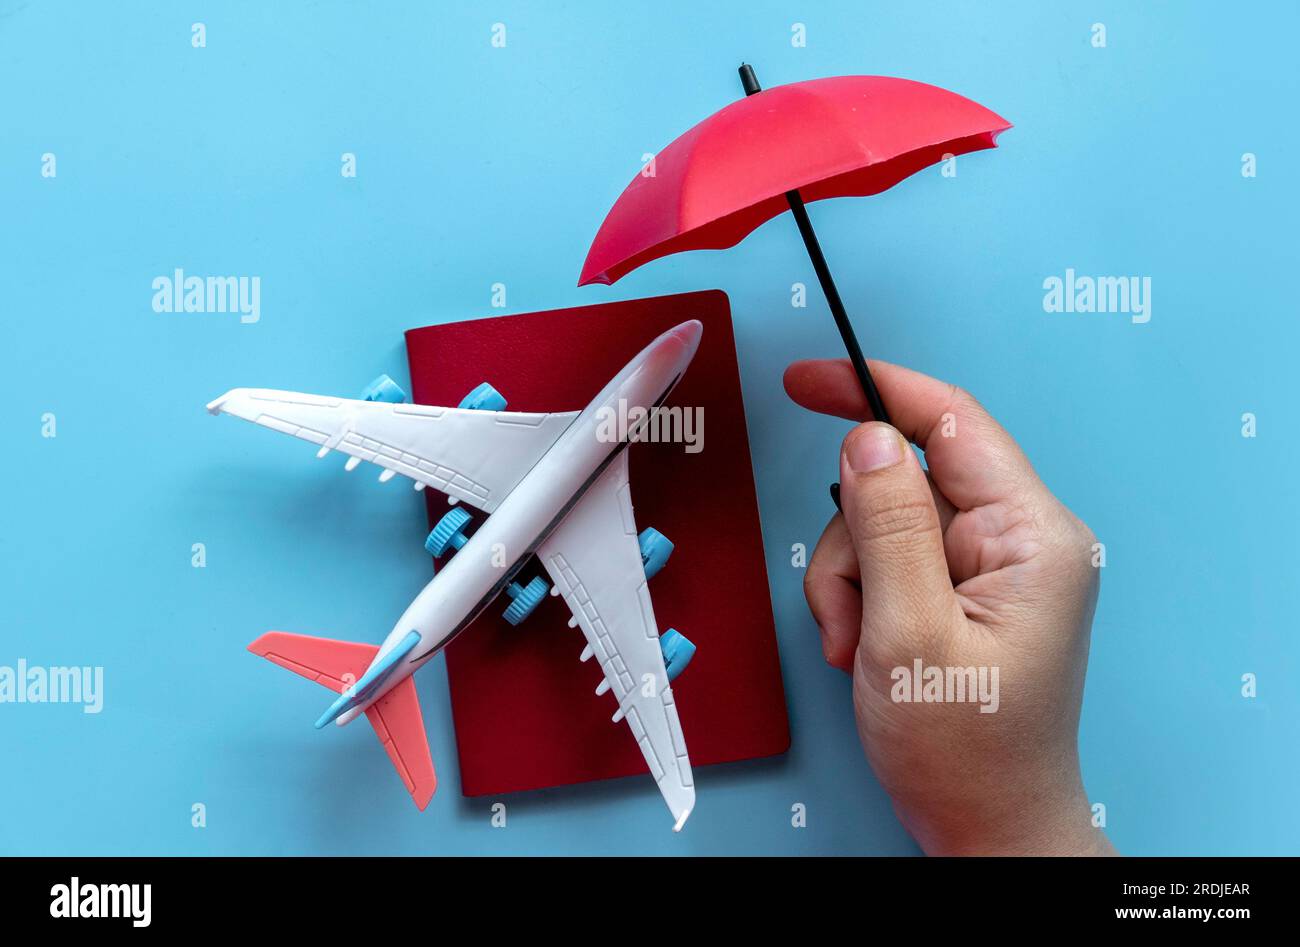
[479,165]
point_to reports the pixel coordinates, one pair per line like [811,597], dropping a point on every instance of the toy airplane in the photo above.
[555,488]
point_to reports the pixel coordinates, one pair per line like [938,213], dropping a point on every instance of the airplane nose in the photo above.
[689,333]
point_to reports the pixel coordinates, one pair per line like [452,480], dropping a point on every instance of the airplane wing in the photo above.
[474,456]
[594,559]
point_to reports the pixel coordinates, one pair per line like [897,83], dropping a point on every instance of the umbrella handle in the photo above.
[800,213]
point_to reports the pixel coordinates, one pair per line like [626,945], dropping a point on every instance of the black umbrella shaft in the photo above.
[837,306]
[814,248]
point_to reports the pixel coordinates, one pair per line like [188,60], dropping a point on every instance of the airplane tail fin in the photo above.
[396,716]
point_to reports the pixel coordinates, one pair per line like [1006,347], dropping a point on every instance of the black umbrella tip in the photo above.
[748,79]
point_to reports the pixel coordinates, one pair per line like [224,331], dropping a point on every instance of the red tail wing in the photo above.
[399,725]
[335,664]
[396,716]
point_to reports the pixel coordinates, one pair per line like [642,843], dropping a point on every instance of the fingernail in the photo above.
[877,447]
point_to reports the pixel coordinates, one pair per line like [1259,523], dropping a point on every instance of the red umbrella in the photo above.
[847,136]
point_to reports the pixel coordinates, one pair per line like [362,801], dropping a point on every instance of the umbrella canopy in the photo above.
[847,136]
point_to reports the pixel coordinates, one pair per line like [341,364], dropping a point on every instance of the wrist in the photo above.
[1026,823]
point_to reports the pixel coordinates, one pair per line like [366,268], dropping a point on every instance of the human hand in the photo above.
[976,565]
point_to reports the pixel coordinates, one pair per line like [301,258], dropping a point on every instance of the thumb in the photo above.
[891,516]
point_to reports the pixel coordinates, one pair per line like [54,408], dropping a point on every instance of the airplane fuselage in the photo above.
[507,539]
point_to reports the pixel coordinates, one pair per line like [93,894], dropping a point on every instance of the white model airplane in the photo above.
[554,489]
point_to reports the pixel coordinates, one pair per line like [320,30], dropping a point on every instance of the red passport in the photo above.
[524,706]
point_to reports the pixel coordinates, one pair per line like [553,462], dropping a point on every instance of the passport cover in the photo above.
[524,707]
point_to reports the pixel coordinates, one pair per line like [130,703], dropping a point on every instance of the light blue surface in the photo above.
[479,165]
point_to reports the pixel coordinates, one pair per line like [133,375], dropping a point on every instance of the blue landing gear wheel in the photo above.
[526,598]
[655,550]
[384,388]
[448,534]
[483,398]
[677,651]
